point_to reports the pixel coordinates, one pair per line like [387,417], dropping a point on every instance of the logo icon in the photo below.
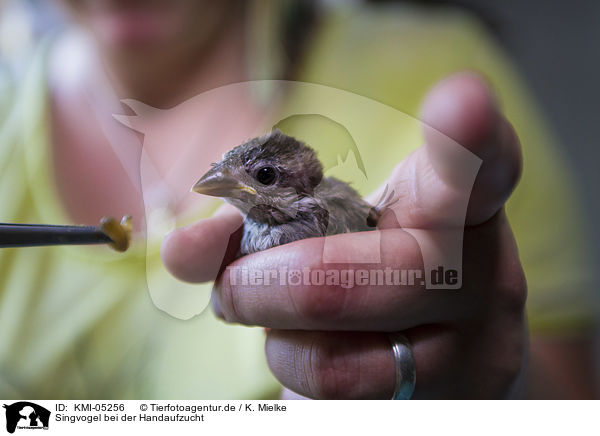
[341,126]
[26,415]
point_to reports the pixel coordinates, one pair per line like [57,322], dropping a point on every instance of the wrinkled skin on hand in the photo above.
[330,342]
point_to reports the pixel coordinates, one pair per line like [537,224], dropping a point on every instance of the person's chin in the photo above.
[133,29]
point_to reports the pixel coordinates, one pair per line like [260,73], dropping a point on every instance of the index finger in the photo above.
[198,252]
[469,165]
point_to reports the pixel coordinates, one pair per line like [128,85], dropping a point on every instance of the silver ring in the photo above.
[405,367]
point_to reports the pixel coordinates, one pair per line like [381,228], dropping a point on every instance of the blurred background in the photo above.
[552,42]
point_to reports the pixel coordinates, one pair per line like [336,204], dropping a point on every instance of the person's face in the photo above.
[126,25]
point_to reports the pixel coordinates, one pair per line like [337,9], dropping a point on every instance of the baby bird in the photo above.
[277,184]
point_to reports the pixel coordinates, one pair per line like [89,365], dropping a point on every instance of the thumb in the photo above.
[468,166]
[198,252]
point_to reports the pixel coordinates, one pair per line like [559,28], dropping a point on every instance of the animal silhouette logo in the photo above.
[340,125]
[26,415]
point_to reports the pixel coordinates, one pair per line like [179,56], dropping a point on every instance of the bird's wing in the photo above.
[347,211]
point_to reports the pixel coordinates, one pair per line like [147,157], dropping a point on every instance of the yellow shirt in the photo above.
[79,322]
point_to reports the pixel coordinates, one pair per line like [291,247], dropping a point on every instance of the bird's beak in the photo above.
[218,183]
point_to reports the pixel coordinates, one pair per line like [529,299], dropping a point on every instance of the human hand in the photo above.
[331,342]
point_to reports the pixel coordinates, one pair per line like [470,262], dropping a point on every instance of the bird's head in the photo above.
[265,177]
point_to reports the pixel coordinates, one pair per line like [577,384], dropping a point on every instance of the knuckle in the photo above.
[514,367]
[227,301]
[332,371]
[316,304]
[513,288]
[508,369]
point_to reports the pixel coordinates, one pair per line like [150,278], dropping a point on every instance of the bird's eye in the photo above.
[266,175]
